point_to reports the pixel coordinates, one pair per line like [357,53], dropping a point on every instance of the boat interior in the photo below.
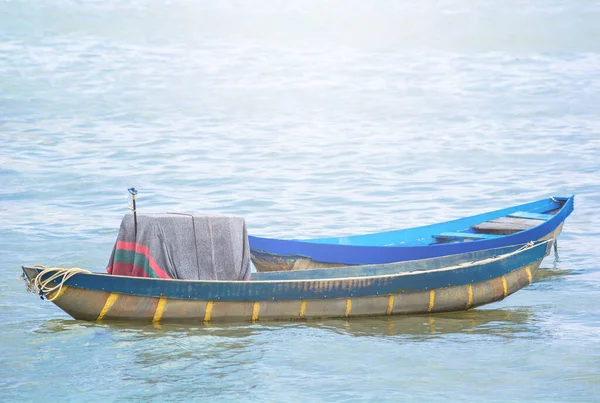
[479,227]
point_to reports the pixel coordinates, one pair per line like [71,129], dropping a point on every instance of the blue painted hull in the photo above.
[543,219]
[431,288]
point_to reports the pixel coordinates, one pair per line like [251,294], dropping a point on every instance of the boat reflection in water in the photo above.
[478,321]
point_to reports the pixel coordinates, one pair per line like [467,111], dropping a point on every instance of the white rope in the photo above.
[46,287]
[526,246]
[492,258]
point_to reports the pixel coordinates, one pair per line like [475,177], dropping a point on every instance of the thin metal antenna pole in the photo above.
[133,194]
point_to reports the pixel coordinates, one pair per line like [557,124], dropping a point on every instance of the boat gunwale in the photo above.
[466,265]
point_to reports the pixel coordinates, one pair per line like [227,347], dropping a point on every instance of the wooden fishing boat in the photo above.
[427,286]
[519,224]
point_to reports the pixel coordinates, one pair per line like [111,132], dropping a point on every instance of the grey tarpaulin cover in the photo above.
[182,246]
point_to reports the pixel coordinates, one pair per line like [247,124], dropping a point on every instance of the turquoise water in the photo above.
[309,119]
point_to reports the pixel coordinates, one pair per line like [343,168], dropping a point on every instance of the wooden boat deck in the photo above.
[506,225]
[511,224]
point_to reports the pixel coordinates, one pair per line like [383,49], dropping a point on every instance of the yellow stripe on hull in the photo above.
[112,298]
[390,308]
[470,298]
[57,294]
[208,311]
[255,311]
[160,308]
[529,275]
[431,300]
[302,310]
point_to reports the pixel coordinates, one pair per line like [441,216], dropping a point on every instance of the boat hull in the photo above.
[91,305]
[100,297]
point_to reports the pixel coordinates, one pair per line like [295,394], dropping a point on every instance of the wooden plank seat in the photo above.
[506,225]
[463,235]
[531,216]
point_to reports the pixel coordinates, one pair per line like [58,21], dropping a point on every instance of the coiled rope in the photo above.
[45,287]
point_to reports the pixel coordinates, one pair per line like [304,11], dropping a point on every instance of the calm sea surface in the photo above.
[308,118]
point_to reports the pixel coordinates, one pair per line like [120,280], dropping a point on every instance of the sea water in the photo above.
[308,118]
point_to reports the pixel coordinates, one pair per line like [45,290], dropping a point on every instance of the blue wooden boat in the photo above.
[450,283]
[519,224]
